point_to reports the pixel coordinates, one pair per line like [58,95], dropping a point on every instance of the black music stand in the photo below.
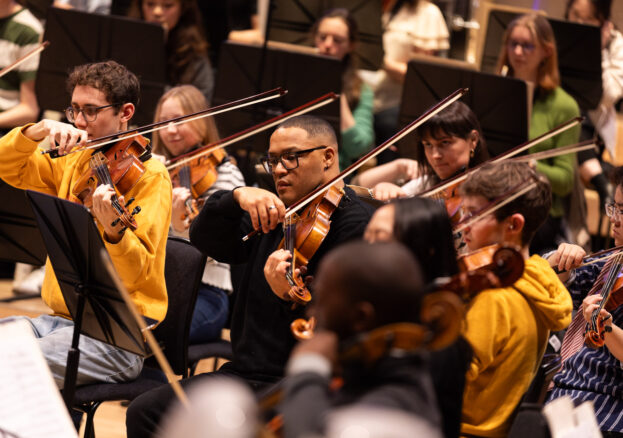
[305,76]
[291,22]
[20,240]
[500,104]
[579,55]
[96,306]
[78,38]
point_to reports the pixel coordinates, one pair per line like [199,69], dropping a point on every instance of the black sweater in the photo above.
[260,321]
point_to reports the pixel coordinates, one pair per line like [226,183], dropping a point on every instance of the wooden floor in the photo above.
[110,417]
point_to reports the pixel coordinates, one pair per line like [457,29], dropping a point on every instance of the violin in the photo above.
[611,299]
[303,235]
[119,167]
[197,176]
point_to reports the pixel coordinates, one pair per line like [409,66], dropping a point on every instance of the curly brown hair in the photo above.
[118,84]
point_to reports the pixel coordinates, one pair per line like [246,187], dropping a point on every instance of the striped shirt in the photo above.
[19,34]
[593,374]
[216,273]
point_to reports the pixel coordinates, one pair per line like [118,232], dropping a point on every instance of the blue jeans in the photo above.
[99,362]
[210,315]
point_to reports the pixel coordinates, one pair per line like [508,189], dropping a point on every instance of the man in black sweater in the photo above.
[302,155]
[362,292]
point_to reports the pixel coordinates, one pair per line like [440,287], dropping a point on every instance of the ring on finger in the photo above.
[272,207]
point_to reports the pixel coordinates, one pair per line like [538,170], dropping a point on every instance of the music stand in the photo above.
[579,55]
[78,38]
[291,22]
[500,104]
[96,306]
[304,75]
[20,240]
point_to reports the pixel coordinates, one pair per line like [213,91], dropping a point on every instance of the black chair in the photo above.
[183,269]
[221,348]
[529,421]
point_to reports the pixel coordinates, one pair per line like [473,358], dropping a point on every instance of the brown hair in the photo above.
[548,77]
[118,84]
[185,42]
[493,182]
[351,82]
[191,100]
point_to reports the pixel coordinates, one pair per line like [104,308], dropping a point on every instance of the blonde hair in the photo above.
[548,77]
[191,100]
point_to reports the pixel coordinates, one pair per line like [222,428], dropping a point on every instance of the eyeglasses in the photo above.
[613,212]
[88,112]
[289,160]
[525,47]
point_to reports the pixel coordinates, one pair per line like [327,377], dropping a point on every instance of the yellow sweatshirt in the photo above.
[508,329]
[138,256]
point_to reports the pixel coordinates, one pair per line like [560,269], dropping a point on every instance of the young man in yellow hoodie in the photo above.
[508,327]
[103,99]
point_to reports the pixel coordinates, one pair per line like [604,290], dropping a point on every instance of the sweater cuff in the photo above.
[309,362]
[25,144]
[227,206]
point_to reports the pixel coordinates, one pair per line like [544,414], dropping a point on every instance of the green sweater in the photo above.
[548,112]
[357,140]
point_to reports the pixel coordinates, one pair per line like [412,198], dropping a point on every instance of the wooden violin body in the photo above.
[303,236]
[198,175]
[612,297]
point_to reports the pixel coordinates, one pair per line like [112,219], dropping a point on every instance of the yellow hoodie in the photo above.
[508,329]
[138,256]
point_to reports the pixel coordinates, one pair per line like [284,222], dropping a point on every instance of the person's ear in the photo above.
[126,112]
[328,157]
[364,317]
[515,224]
[474,137]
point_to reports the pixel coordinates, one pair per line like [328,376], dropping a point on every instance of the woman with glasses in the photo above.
[211,308]
[336,34]
[529,53]
[448,143]
[593,374]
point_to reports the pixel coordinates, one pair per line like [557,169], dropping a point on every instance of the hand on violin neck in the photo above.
[566,258]
[265,208]
[179,216]
[105,213]
[275,269]
[62,136]
[590,305]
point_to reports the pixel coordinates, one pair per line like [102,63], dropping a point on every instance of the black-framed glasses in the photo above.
[289,160]
[88,112]
[613,211]
[525,47]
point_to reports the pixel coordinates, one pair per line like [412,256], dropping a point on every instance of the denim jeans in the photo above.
[210,315]
[99,362]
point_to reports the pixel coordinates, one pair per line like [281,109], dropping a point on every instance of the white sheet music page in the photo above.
[30,402]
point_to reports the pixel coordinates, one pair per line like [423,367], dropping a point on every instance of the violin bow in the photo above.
[305,108]
[511,153]
[577,147]
[373,153]
[40,48]
[229,106]
[517,191]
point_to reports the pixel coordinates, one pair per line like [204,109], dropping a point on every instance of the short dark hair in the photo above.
[457,120]
[423,226]
[617,177]
[384,274]
[493,182]
[314,126]
[118,84]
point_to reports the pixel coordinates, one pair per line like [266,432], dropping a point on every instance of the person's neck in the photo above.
[527,76]
[8,8]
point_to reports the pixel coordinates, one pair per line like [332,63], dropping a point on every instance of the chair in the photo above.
[183,270]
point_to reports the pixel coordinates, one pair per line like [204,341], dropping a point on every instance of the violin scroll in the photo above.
[303,329]
[442,312]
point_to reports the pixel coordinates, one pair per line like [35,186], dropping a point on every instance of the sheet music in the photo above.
[30,402]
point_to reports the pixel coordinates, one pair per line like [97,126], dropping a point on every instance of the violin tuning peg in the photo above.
[115,222]
[136,210]
[122,230]
[127,204]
